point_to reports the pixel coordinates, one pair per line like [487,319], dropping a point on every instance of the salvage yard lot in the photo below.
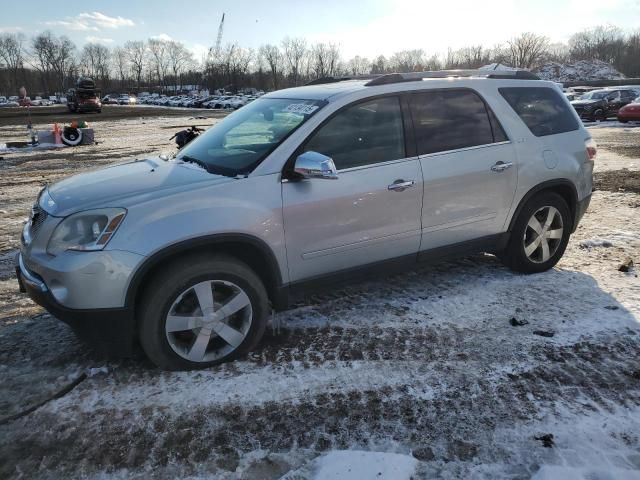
[471,369]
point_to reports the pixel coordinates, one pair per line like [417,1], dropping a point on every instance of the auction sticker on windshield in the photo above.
[302,108]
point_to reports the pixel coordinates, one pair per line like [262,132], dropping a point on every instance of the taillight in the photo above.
[592,149]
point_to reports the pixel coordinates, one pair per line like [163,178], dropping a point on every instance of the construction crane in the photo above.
[216,50]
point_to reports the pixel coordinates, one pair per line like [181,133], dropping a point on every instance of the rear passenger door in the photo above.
[468,166]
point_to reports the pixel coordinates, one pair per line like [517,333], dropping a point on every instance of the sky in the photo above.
[367,27]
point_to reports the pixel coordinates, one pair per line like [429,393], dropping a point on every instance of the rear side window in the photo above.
[363,134]
[542,109]
[451,119]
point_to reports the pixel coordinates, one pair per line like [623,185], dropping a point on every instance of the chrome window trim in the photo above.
[465,149]
[378,164]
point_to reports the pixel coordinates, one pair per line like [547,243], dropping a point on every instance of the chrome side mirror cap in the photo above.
[315,165]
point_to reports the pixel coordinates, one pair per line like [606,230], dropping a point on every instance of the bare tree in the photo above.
[158,50]
[408,61]
[53,57]
[136,52]
[120,62]
[359,65]
[179,58]
[380,65]
[274,59]
[12,55]
[324,60]
[94,62]
[294,53]
[527,50]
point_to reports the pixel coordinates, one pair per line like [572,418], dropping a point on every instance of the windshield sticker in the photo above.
[301,108]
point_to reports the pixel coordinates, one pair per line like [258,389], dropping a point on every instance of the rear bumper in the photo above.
[628,115]
[581,208]
[111,330]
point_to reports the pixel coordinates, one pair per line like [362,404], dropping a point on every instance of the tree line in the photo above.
[47,63]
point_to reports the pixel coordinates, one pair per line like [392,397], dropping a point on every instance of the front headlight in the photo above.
[86,231]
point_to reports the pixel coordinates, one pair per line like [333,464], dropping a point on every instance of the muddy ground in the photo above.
[428,363]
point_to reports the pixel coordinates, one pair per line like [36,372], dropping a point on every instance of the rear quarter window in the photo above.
[542,109]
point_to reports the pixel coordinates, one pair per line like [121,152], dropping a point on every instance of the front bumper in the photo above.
[111,330]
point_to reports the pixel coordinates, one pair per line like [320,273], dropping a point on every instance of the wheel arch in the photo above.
[563,187]
[251,250]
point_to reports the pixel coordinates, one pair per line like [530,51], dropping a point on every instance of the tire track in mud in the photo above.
[455,418]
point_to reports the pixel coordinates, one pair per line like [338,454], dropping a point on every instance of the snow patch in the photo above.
[596,242]
[356,465]
[578,71]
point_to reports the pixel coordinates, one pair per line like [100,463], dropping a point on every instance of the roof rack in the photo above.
[418,76]
[387,78]
[323,80]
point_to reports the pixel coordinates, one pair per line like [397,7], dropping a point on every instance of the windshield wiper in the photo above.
[187,158]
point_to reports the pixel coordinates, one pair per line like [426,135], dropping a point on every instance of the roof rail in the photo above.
[323,80]
[418,76]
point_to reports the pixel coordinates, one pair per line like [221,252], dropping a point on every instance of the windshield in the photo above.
[595,95]
[242,140]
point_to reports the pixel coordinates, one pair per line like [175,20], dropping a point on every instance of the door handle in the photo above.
[501,166]
[401,185]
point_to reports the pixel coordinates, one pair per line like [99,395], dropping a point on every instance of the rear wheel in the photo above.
[540,235]
[201,311]
[600,115]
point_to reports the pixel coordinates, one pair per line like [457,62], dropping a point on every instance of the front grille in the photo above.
[38,216]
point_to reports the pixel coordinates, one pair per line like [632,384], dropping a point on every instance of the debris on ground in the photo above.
[544,333]
[626,266]
[518,323]
[546,439]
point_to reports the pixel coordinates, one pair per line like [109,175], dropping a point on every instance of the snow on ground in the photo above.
[422,374]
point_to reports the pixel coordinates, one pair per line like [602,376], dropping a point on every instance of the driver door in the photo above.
[371,212]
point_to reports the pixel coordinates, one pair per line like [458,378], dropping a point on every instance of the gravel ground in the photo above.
[471,369]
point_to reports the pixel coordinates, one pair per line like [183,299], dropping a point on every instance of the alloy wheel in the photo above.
[208,320]
[543,234]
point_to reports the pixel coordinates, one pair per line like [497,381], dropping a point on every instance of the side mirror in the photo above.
[315,165]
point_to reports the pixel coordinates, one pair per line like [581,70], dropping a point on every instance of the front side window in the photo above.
[451,119]
[542,109]
[242,140]
[363,134]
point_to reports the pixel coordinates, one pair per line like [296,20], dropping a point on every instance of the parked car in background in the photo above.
[126,99]
[630,112]
[110,99]
[187,255]
[79,100]
[602,104]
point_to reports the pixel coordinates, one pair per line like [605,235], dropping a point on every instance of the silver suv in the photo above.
[190,255]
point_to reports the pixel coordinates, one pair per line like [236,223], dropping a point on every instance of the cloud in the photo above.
[163,36]
[91,22]
[199,51]
[11,29]
[105,21]
[93,39]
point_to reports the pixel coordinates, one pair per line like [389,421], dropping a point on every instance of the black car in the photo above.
[601,104]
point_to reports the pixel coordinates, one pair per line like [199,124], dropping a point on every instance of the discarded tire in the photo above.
[71,136]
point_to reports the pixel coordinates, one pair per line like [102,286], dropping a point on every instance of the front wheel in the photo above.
[540,234]
[201,311]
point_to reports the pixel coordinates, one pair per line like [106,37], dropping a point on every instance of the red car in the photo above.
[630,111]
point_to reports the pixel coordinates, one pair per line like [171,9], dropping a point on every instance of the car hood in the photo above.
[126,184]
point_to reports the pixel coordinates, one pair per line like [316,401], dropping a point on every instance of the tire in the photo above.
[599,115]
[623,121]
[173,291]
[71,136]
[523,235]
